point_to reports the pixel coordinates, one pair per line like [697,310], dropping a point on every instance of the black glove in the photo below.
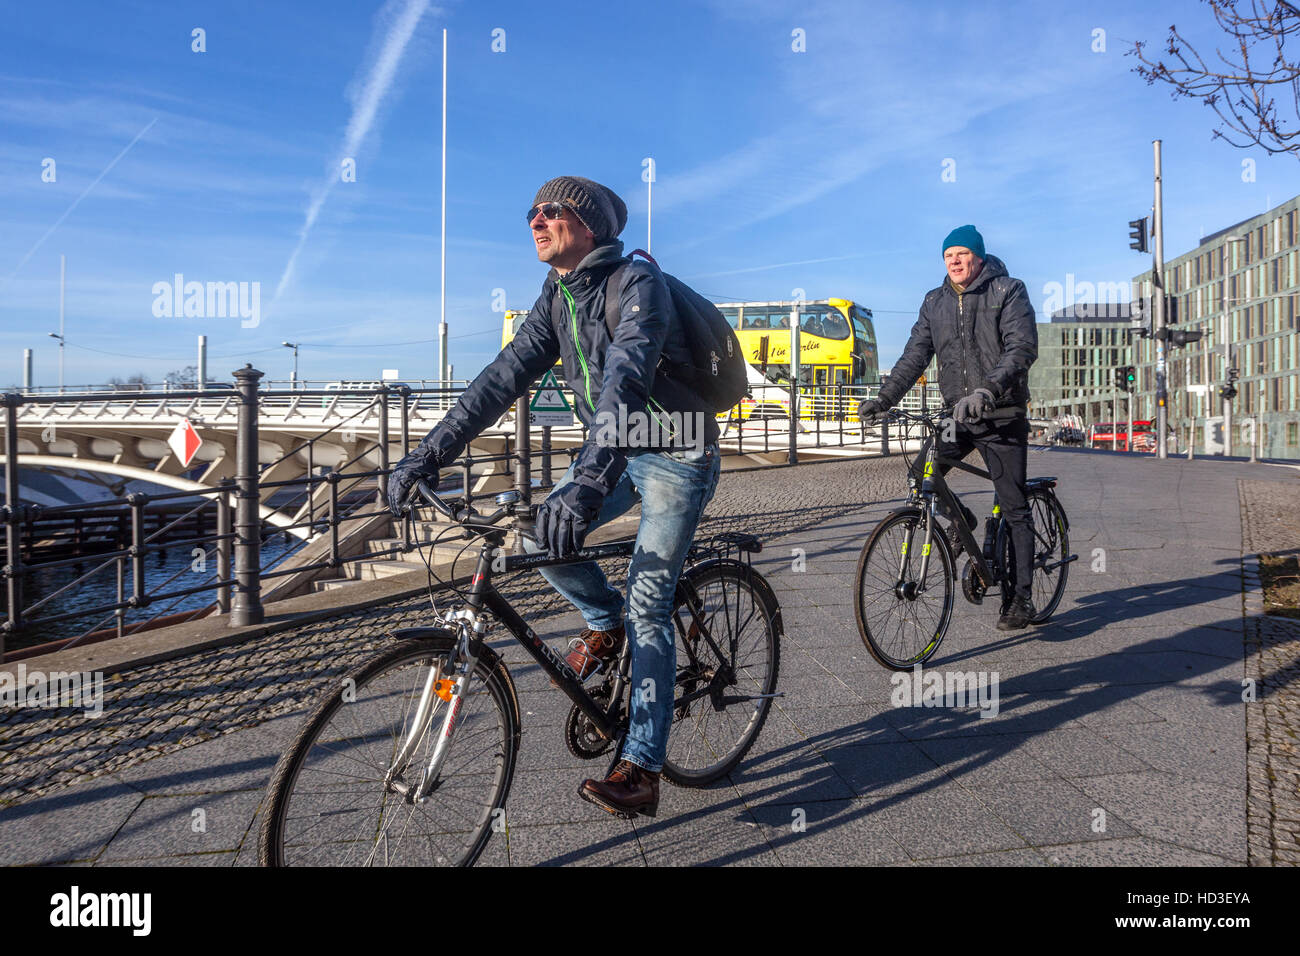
[440,448]
[973,407]
[568,513]
[869,412]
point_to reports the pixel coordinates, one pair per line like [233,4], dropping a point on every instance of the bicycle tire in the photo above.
[735,598]
[486,728]
[877,582]
[1051,546]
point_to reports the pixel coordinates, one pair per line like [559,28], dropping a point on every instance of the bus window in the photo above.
[835,325]
[732,315]
[824,321]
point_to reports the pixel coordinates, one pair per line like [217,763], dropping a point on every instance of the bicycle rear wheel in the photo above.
[329,803]
[712,733]
[902,618]
[1051,548]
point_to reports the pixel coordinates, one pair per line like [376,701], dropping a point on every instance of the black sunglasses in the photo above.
[551,210]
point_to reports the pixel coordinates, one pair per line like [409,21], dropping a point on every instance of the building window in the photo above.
[1292,433]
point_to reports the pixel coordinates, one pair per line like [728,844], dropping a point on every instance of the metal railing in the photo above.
[318,504]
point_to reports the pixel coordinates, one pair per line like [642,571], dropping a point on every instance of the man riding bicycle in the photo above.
[980,324]
[574,224]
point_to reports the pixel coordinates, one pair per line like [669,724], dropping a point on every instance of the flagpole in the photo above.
[442,325]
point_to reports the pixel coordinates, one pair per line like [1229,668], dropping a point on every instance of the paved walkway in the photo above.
[1121,735]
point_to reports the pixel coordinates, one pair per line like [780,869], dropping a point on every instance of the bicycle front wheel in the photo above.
[1051,548]
[902,616]
[333,800]
[712,732]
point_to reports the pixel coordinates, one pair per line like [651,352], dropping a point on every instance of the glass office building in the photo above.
[1241,286]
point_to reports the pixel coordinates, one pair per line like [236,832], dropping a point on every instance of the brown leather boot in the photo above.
[594,650]
[626,792]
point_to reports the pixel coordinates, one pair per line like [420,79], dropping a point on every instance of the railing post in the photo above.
[794,423]
[223,554]
[546,456]
[247,605]
[120,612]
[523,451]
[311,487]
[137,549]
[405,392]
[383,445]
[333,479]
[13,519]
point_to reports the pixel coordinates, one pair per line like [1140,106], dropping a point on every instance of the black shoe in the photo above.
[1018,615]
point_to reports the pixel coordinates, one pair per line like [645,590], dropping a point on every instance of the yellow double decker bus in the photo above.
[837,346]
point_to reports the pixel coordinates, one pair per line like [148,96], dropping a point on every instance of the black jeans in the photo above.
[1004,446]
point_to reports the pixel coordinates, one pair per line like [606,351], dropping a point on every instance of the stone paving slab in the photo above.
[1129,701]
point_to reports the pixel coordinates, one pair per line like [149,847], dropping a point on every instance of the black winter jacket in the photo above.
[984,338]
[604,373]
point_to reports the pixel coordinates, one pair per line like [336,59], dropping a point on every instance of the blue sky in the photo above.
[819,170]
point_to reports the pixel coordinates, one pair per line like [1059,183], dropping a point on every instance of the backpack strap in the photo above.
[614,292]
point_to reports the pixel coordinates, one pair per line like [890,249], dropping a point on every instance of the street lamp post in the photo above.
[1257,419]
[293,378]
[56,335]
[1228,358]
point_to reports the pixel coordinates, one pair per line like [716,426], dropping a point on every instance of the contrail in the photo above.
[76,202]
[365,106]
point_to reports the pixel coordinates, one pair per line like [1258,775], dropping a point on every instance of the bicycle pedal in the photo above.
[577,644]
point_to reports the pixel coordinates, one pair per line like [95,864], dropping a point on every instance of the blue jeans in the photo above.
[673,488]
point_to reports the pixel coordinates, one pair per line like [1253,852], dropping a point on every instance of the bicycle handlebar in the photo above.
[462,513]
[931,421]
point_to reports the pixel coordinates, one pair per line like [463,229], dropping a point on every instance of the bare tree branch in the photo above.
[1253,69]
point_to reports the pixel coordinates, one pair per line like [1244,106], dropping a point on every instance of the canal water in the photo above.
[171,569]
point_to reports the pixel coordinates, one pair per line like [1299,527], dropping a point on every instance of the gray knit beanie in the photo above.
[597,206]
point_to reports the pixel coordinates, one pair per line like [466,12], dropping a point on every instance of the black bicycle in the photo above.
[905,598]
[408,759]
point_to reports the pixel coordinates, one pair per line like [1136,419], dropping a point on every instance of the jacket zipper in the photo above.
[586,373]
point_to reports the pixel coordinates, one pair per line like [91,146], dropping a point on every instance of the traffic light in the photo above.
[1228,392]
[1138,234]
[1185,336]
[1139,318]
[1129,380]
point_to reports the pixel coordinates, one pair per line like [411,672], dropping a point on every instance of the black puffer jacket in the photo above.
[984,338]
[604,373]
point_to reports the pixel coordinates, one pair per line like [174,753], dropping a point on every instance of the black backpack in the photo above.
[717,372]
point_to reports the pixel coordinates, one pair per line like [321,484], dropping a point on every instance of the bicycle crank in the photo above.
[581,736]
[973,587]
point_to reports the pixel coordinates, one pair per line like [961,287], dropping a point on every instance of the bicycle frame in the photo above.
[472,627]
[933,491]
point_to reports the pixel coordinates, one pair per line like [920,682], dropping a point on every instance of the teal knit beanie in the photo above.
[967,236]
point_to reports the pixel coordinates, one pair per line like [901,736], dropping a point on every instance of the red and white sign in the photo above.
[184,442]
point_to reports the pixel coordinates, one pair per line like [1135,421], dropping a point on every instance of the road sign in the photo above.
[549,406]
[184,441]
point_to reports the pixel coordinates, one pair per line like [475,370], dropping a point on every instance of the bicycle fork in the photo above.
[438,690]
[910,590]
